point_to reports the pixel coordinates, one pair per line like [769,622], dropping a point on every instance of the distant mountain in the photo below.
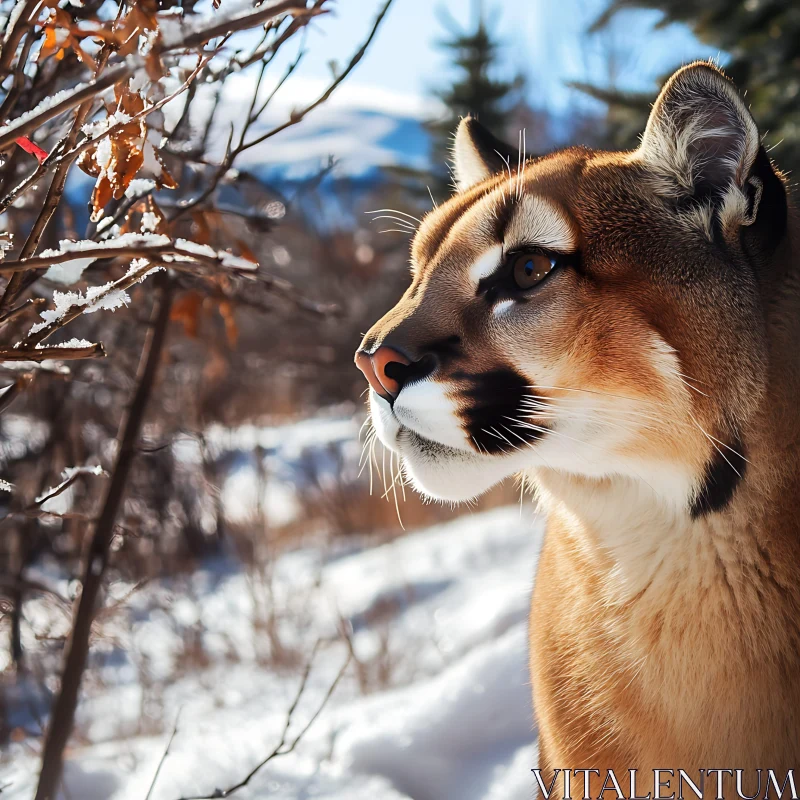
[360,141]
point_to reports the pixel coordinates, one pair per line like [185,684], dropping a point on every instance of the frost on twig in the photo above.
[69,476]
[37,508]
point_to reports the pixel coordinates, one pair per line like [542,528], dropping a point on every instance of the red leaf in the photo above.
[29,147]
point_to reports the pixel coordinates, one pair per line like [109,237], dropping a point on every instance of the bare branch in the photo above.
[62,487]
[283,747]
[13,313]
[297,116]
[56,190]
[163,757]
[10,100]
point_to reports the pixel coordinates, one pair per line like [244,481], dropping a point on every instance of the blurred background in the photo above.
[257,542]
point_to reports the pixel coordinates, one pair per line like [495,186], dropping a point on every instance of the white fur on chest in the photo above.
[646,536]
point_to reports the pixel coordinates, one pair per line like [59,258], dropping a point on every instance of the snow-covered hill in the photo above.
[448,605]
[361,141]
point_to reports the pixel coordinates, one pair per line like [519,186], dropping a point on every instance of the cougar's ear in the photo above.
[702,142]
[478,155]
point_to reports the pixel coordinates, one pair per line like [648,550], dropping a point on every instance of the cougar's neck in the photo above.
[747,542]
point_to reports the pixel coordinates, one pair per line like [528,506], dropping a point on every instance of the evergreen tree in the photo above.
[762,38]
[476,91]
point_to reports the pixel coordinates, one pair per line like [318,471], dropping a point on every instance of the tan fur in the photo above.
[661,636]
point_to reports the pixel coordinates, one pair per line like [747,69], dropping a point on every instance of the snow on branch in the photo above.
[68,351]
[130,245]
[61,102]
[237,16]
[69,476]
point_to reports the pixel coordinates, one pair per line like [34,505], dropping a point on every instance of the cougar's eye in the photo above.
[529,269]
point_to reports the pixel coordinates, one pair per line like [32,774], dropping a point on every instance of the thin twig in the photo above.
[64,485]
[10,100]
[297,116]
[283,748]
[163,757]
[14,35]
[13,313]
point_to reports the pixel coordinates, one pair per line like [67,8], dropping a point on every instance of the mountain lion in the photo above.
[624,330]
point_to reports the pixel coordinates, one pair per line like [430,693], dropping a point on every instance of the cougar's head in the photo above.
[593,313]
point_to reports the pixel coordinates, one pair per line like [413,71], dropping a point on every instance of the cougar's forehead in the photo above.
[530,211]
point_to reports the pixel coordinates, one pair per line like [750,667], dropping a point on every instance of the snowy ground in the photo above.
[444,609]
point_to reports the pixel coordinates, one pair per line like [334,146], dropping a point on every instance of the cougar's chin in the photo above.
[438,470]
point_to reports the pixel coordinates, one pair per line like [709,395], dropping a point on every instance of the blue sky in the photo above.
[543,39]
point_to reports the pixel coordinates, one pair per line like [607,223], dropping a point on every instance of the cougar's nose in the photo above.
[384,369]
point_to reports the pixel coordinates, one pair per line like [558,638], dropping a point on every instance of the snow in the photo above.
[175,30]
[74,342]
[43,107]
[454,719]
[71,472]
[11,21]
[195,248]
[471,744]
[226,259]
[139,187]
[62,301]
[236,262]
[69,272]
[149,221]
[97,298]
[94,129]
[48,365]
[323,449]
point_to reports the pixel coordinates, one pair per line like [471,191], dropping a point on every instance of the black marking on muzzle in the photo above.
[495,418]
[723,473]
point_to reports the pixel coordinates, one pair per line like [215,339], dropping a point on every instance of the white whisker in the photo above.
[430,193]
[399,220]
[393,211]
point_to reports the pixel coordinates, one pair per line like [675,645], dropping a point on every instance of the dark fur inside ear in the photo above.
[478,154]
[768,206]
